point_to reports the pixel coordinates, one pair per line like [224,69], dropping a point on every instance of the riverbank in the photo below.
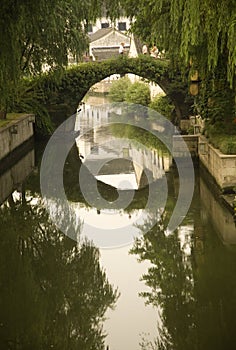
[14,132]
[218,168]
[222,167]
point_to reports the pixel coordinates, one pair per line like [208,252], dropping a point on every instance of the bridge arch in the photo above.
[63,91]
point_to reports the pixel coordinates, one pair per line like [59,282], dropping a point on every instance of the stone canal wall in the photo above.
[15,134]
[221,166]
[179,149]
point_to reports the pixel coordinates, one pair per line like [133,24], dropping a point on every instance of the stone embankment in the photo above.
[15,134]
[222,167]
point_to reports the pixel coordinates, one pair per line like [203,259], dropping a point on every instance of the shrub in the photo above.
[138,93]
[163,105]
[118,89]
[225,143]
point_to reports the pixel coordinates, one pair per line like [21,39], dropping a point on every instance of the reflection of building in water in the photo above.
[100,148]
[91,116]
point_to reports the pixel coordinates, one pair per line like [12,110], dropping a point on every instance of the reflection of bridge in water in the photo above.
[120,162]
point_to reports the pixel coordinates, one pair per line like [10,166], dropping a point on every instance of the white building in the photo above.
[122,24]
[105,38]
[105,42]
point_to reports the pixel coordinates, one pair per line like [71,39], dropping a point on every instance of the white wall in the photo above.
[97,25]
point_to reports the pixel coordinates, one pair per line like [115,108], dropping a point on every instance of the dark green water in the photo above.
[54,293]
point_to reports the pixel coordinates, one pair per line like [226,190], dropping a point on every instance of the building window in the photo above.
[104,25]
[122,26]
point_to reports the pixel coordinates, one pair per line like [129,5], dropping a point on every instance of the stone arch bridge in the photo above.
[62,91]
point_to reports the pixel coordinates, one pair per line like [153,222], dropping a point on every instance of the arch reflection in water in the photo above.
[124,164]
[52,180]
[106,155]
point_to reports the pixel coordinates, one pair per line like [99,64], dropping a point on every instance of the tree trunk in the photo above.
[3,114]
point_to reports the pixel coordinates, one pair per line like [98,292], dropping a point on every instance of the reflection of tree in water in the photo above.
[53,292]
[170,281]
[195,294]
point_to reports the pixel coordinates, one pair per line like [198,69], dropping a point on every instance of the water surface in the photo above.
[155,291]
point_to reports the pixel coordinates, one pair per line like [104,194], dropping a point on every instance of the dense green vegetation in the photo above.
[123,90]
[34,33]
[118,89]
[163,105]
[200,33]
[225,143]
[197,36]
[138,93]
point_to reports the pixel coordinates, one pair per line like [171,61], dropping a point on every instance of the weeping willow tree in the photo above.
[37,33]
[198,36]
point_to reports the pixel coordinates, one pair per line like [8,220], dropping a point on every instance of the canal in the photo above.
[125,282]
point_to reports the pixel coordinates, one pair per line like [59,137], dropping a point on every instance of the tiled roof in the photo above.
[99,34]
[102,32]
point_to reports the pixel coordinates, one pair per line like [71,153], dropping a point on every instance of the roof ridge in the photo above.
[102,32]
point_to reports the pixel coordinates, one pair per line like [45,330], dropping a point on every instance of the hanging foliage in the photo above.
[197,30]
[197,35]
[38,33]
